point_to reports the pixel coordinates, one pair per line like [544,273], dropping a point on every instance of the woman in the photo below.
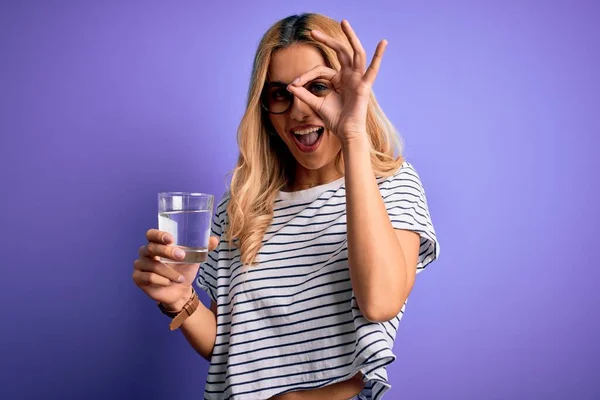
[317,243]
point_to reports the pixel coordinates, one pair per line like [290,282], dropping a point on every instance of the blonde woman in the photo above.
[318,240]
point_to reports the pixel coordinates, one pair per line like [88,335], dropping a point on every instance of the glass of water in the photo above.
[187,217]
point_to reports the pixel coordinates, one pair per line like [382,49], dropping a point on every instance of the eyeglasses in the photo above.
[276,99]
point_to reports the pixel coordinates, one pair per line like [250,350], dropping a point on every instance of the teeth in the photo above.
[306,131]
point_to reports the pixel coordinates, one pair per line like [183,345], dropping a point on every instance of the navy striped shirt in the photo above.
[292,322]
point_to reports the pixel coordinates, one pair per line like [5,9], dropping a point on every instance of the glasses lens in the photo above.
[276,98]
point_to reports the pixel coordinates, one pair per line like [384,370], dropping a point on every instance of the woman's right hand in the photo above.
[169,284]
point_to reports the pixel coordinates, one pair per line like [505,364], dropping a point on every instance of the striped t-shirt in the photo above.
[292,322]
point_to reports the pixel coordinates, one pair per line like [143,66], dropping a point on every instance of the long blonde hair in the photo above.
[264,163]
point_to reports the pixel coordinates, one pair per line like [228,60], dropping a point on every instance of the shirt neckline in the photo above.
[312,192]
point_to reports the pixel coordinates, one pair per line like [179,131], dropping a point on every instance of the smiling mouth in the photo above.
[308,139]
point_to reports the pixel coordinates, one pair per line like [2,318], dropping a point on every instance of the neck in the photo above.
[308,178]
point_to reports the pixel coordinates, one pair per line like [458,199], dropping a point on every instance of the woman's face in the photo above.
[299,126]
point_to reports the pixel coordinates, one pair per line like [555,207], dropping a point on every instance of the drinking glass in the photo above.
[187,217]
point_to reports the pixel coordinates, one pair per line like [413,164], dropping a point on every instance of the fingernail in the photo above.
[179,253]
[167,238]
[316,31]
[296,80]
[181,279]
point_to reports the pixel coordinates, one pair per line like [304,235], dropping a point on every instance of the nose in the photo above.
[299,110]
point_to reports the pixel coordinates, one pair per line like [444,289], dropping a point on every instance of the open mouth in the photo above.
[308,139]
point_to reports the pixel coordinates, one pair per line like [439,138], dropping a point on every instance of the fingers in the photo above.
[373,69]
[360,56]
[142,279]
[213,243]
[354,57]
[307,97]
[163,272]
[158,246]
[154,249]
[320,71]
[154,235]
[342,51]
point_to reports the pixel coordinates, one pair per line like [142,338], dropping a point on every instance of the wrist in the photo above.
[356,143]
[178,317]
[178,305]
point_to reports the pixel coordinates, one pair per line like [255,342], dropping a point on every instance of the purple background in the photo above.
[103,104]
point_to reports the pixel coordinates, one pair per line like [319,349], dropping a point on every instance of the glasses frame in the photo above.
[284,86]
[269,85]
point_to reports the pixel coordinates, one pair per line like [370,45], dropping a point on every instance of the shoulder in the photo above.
[221,207]
[222,203]
[406,176]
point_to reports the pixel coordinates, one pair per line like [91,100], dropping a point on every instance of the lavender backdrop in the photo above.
[105,103]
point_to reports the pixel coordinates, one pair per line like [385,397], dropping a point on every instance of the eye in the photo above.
[278,94]
[319,88]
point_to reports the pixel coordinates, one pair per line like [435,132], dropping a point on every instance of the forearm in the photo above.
[377,263]
[199,329]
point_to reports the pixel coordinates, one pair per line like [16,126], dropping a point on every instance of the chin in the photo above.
[315,162]
[311,166]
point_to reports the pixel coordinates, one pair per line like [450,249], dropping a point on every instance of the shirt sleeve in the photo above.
[406,204]
[208,273]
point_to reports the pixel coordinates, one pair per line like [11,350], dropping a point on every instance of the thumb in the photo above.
[213,243]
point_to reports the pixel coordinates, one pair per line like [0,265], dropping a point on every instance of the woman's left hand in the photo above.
[344,110]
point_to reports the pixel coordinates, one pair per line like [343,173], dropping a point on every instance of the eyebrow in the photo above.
[277,83]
